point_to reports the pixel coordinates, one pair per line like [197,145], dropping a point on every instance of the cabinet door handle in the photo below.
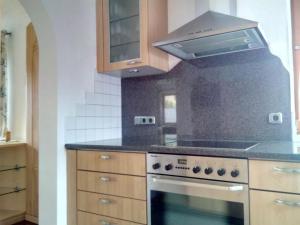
[103,222]
[105,179]
[133,62]
[287,203]
[287,170]
[104,201]
[105,157]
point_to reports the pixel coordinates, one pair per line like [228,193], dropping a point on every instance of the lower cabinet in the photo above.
[272,208]
[110,188]
[92,219]
[274,193]
[112,206]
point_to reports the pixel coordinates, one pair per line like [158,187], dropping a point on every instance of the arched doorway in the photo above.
[47,107]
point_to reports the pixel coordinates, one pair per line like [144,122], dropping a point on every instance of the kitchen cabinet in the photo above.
[107,187]
[125,32]
[296,44]
[275,193]
[275,176]
[12,183]
[271,208]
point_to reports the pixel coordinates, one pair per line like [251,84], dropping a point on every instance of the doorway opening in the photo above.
[18,115]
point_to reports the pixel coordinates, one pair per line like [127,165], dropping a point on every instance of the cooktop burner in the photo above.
[235,145]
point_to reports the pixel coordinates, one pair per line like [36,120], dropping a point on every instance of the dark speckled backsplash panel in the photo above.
[225,97]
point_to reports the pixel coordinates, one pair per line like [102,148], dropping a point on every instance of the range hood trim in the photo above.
[208,25]
[201,35]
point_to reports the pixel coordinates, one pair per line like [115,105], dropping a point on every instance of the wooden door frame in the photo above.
[32,60]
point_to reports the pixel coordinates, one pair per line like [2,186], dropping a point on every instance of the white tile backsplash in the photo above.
[100,117]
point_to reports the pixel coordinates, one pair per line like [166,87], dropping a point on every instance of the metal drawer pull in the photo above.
[287,203]
[105,179]
[104,201]
[132,62]
[103,222]
[297,47]
[200,185]
[287,170]
[105,157]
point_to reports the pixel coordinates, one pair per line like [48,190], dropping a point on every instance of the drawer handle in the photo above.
[133,62]
[297,47]
[104,201]
[287,203]
[103,222]
[287,170]
[105,157]
[105,179]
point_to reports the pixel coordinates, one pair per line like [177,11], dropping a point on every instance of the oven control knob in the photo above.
[156,166]
[196,169]
[208,170]
[235,173]
[169,167]
[221,172]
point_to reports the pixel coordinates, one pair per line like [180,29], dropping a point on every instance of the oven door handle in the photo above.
[232,188]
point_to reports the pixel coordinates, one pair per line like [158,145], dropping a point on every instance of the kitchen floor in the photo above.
[25,223]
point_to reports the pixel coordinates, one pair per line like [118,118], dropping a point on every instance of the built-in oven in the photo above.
[182,200]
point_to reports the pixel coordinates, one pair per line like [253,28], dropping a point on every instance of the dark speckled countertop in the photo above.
[280,151]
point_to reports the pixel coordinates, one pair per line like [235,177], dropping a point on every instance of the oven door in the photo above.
[185,201]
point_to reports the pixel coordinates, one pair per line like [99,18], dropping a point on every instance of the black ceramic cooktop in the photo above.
[212,144]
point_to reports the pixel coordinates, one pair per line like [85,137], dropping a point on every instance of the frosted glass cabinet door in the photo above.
[124,30]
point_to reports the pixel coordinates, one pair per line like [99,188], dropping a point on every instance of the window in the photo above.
[170,116]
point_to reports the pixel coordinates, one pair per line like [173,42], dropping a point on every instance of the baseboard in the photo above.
[32,219]
[12,220]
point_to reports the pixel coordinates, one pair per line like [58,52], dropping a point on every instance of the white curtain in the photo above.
[3,84]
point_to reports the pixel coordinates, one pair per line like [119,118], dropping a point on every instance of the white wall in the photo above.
[14,19]
[71,42]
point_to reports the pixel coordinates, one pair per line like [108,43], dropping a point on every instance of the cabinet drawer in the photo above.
[112,162]
[112,184]
[116,207]
[92,219]
[269,208]
[275,176]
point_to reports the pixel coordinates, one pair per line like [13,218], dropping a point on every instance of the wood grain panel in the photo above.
[117,207]
[92,219]
[264,210]
[115,162]
[112,184]
[157,14]
[296,21]
[32,58]
[13,156]
[71,187]
[14,201]
[13,178]
[263,175]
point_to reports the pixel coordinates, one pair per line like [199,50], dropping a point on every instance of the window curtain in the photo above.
[3,84]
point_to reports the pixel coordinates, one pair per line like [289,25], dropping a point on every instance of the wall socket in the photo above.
[144,120]
[276,118]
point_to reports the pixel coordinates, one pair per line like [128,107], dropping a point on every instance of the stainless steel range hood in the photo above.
[212,34]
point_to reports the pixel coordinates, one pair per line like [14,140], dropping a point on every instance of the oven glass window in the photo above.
[177,209]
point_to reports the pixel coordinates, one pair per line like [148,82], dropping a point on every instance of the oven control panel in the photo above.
[214,168]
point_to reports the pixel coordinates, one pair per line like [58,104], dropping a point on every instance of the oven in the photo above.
[188,199]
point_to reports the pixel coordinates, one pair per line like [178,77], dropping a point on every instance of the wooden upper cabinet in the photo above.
[296,45]
[125,33]
[296,21]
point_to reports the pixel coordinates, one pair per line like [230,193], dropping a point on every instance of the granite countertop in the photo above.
[281,151]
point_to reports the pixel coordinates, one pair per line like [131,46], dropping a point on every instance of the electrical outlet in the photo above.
[276,118]
[144,120]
